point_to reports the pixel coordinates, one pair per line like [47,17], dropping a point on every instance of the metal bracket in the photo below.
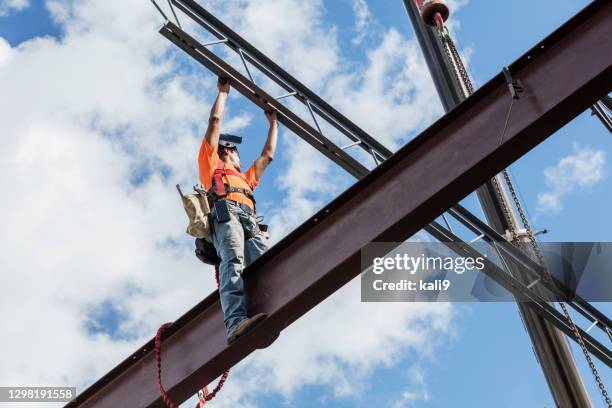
[285,95]
[515,86]
[224,40]
[351,145]
[477,238]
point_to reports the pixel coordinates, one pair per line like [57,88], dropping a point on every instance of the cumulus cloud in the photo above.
[392,95]
[7,6]
[290,31]
[92,150]
[362,20]
[582,169]
[5,51]
[76,233]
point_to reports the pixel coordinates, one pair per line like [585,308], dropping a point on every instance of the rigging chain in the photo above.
[464,80]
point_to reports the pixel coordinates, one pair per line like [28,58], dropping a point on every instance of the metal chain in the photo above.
[464,79]
[458,70]
[507,212]
[462,70]
[542,262]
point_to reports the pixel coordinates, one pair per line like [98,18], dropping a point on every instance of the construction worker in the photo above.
[235,233]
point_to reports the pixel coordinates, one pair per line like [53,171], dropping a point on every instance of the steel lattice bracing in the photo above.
[295,89]
[434,171]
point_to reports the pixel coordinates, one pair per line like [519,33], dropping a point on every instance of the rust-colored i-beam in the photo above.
[562,76]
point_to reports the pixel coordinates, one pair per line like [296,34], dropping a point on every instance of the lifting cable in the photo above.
[203,395]
[464,80]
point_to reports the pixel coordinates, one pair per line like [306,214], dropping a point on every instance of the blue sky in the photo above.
[484,357]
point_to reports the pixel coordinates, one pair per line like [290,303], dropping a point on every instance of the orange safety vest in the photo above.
[209,163]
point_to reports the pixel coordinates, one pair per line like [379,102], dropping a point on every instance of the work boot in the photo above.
[245,326]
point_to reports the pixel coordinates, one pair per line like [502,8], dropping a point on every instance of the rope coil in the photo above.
[206,396]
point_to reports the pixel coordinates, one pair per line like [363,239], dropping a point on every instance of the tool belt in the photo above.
[223,208]
[198,208]
[214,196]
[206,252]
[243,206]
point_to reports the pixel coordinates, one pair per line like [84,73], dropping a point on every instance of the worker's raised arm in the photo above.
[216,113]
[267,154]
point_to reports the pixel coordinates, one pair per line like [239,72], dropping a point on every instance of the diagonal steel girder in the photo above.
[562,77]
[257,95]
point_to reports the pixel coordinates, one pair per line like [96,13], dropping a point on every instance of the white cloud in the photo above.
[583,169]
[392,95]
[455,5]
[353,339]
[416,391]
[362,20]
[340,343]
[290,31]
[5,52]
[307,184]
[6,6]
[76,233]
[79,115]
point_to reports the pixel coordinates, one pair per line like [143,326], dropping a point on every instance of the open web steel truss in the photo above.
[398,198]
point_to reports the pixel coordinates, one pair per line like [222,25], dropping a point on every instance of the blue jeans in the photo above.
[238,243]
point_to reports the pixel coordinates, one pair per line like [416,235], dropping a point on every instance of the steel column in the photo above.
[553,352]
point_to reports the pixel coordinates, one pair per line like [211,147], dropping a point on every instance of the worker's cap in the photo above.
[227,141]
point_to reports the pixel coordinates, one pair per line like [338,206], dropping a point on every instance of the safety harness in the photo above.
[220,190]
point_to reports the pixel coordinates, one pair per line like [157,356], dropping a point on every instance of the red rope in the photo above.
[207,396]
[162,391]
